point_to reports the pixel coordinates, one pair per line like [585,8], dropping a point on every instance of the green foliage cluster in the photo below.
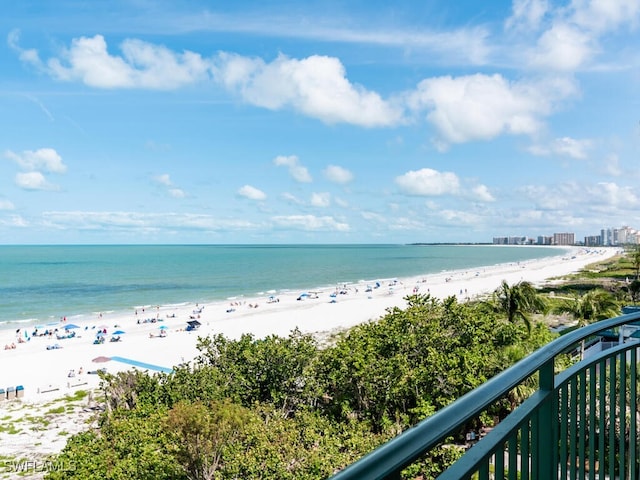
[284,408]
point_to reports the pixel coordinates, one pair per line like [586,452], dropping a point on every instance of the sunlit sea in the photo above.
[40,284]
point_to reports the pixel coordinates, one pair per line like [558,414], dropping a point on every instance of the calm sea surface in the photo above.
[43,283]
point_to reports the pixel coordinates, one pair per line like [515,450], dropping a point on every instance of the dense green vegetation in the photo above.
[284,408]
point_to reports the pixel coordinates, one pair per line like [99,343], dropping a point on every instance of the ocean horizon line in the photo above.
[52,282]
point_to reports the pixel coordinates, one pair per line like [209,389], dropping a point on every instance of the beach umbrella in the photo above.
[101,359]
[163,327]
[70,326]
[119,332]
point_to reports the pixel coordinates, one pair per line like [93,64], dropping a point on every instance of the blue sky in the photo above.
[138,121]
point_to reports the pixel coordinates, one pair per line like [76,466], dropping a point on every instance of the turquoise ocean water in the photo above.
[40,284]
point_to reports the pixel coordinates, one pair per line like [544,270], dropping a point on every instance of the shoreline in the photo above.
[215,293]
[322,310]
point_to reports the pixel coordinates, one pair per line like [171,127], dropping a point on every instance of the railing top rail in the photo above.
[409,445]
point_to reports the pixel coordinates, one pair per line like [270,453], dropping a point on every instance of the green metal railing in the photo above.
[581,423]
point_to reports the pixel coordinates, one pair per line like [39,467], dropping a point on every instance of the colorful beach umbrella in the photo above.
[119,332]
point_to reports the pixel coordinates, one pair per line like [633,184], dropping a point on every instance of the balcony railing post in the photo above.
[547,424]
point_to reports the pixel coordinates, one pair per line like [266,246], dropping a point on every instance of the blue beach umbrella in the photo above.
[70,326]
[163,327]
[119,332]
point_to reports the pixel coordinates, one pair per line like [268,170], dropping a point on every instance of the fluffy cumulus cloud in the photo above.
[140,65]
[570,37]
[43,159]
[428,182]
[34,163]
[33,181]
[338,174]
[297,171]
[310,223]
[478,107]
[252,193]
[563,47]
[316,86]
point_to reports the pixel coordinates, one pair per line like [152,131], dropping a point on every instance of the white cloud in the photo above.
[322,200]
[605,15]
[565,146]
[316,86]
[545,198]
[482,193]
[405,224]
[141,64]
[311,223]
[527,13]
[563,48]
[338,174]
[373,216]
[14,221]
[297,171]
[608,193]
[26,55]
[479,107]
[460,217]
[46,159]
[6,205]
[33,181]
[573,37]
[251,193]
[165,180]
[141,223]
[428,182]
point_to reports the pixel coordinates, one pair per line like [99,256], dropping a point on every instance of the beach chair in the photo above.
[3,394]
[19,391]
[11,393]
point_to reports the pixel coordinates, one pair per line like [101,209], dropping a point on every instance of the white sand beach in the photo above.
[43,374]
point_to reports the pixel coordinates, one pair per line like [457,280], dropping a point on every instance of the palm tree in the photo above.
[518,301]
[594,305]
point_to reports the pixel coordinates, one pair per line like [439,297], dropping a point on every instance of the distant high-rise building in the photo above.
[544,240]
[564,239]
[593,241]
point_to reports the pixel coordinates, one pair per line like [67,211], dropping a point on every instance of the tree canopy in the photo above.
[284,408]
